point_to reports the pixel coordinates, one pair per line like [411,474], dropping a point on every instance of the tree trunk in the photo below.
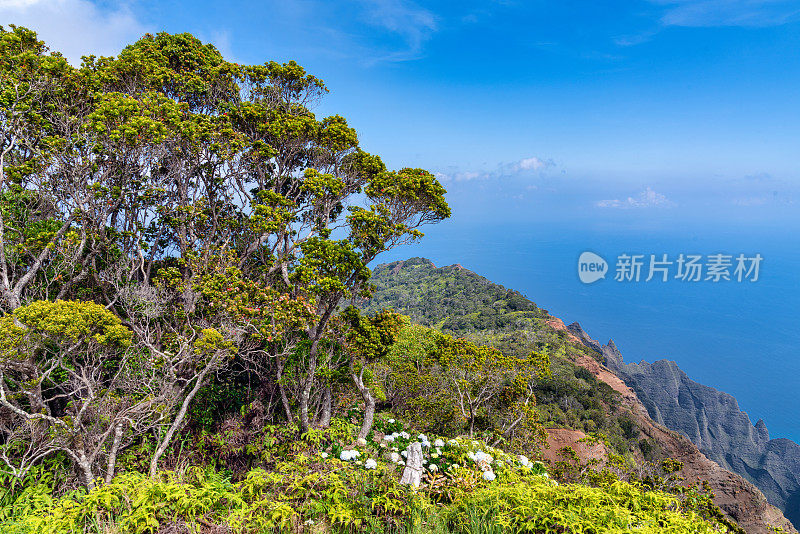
[369,413]
[287,409]
[305,422]
[369,402]
[86,471]
[471,421]
[112,454]
[327,408]
[305,393]
[176,424]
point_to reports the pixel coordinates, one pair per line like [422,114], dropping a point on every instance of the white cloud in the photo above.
[75,27]
[412,23]
[746,13]
[521,167]
[646,199]
[759,177]
[533,163]
[462,176]
[750,201]
[776,198]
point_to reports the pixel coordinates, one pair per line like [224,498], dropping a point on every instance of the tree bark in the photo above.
[327,408]
[369,414]
[305,393]
[176,424]
[112,454]
[86,470]
[287,409]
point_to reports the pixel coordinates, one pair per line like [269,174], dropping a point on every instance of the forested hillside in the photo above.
[463,303]
[451,298]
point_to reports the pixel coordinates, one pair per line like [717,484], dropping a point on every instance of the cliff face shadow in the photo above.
[792,511]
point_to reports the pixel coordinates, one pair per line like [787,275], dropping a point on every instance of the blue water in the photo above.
[741,338]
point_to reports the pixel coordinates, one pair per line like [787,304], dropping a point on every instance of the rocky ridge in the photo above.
[712,421]
[735,496]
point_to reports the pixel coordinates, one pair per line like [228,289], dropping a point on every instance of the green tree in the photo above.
[145,181]
[366,340]
[71,382]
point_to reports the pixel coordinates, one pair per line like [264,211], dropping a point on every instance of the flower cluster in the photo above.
[396,435]
[440,456]
[484,461]
[349,455]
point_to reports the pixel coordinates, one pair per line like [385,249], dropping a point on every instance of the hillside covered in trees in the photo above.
[181,238]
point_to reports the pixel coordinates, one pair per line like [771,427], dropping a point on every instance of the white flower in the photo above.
[434,455]
[438,443]
[390,421]
[489,475]
[390,438]
[346,456]
[454,466]
[405,454]
[433,468]
[370,464]
[361,441]
[426,444]
[401,462]
[481,457]
[405,435]
[323,454]
[422,437]
[309,522]
[453,442]
[394,457]
[382,445]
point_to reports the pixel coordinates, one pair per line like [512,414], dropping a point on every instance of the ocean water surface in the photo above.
[739,337]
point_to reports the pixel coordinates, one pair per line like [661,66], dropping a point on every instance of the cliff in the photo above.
[713,421]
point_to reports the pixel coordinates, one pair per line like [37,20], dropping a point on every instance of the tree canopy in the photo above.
[197,207]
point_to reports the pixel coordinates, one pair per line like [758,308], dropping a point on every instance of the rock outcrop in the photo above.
[713,421]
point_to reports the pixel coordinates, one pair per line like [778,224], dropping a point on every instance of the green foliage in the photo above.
[319,491]
[456,301]
[167,216]
[541,507]
[72,322]
[456,385]
[452,299]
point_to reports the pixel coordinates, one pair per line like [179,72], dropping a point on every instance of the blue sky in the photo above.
[651,126]
[689,98]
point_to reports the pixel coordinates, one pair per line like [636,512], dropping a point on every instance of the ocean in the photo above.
[739,337]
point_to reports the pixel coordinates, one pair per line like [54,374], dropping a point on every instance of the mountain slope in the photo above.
[455,300]
[713,421]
